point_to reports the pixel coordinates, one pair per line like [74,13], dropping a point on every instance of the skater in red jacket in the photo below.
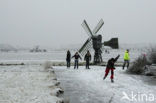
[110,66]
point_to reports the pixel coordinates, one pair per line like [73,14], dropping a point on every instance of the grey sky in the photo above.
[58,22]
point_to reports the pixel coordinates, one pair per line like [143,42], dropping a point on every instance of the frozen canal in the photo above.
[87,86]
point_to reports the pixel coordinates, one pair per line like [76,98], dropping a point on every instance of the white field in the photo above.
[58,56]
[27,84]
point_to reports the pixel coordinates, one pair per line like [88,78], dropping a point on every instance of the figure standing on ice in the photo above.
[77,57]
[68,59]
[110,66]
[87,58]
[126,59]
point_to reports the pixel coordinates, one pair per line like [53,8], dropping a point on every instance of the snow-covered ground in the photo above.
[28,84]
[57,56]
[33,84]
[87,86]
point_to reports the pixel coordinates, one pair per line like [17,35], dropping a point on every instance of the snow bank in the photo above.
[28,84]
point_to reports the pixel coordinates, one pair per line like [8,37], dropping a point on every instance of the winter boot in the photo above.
[104,78]
[112,80]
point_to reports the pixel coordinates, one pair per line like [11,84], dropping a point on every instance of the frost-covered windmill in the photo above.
[95,41]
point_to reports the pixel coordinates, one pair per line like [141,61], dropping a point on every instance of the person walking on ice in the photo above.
[126,59]
[87,58]
[76,56]
[68,59]
[110,66]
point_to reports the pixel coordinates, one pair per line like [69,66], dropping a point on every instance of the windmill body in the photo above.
[95,41]
[97,45]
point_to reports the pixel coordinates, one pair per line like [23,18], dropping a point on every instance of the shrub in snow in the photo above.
[47,65]
[149,70]
[138,65]
[153,56]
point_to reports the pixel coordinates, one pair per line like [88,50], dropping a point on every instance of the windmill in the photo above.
[95,41]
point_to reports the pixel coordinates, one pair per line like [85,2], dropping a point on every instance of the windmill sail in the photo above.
[86,28]
[99,25]
[86,46]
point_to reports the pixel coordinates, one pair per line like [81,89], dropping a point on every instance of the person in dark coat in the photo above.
[77,57]
[110,66]
[68,59]
[87,58]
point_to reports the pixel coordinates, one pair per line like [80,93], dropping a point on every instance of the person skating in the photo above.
[110,66]
[126,59]
[87,58]
[77,57]
[68,59]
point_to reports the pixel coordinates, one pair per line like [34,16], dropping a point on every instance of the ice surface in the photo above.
[88,86]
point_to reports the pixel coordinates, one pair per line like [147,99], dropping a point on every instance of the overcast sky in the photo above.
[58,22]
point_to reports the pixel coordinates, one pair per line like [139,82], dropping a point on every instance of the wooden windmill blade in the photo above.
[98,27]
[86,28]
[86,46]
